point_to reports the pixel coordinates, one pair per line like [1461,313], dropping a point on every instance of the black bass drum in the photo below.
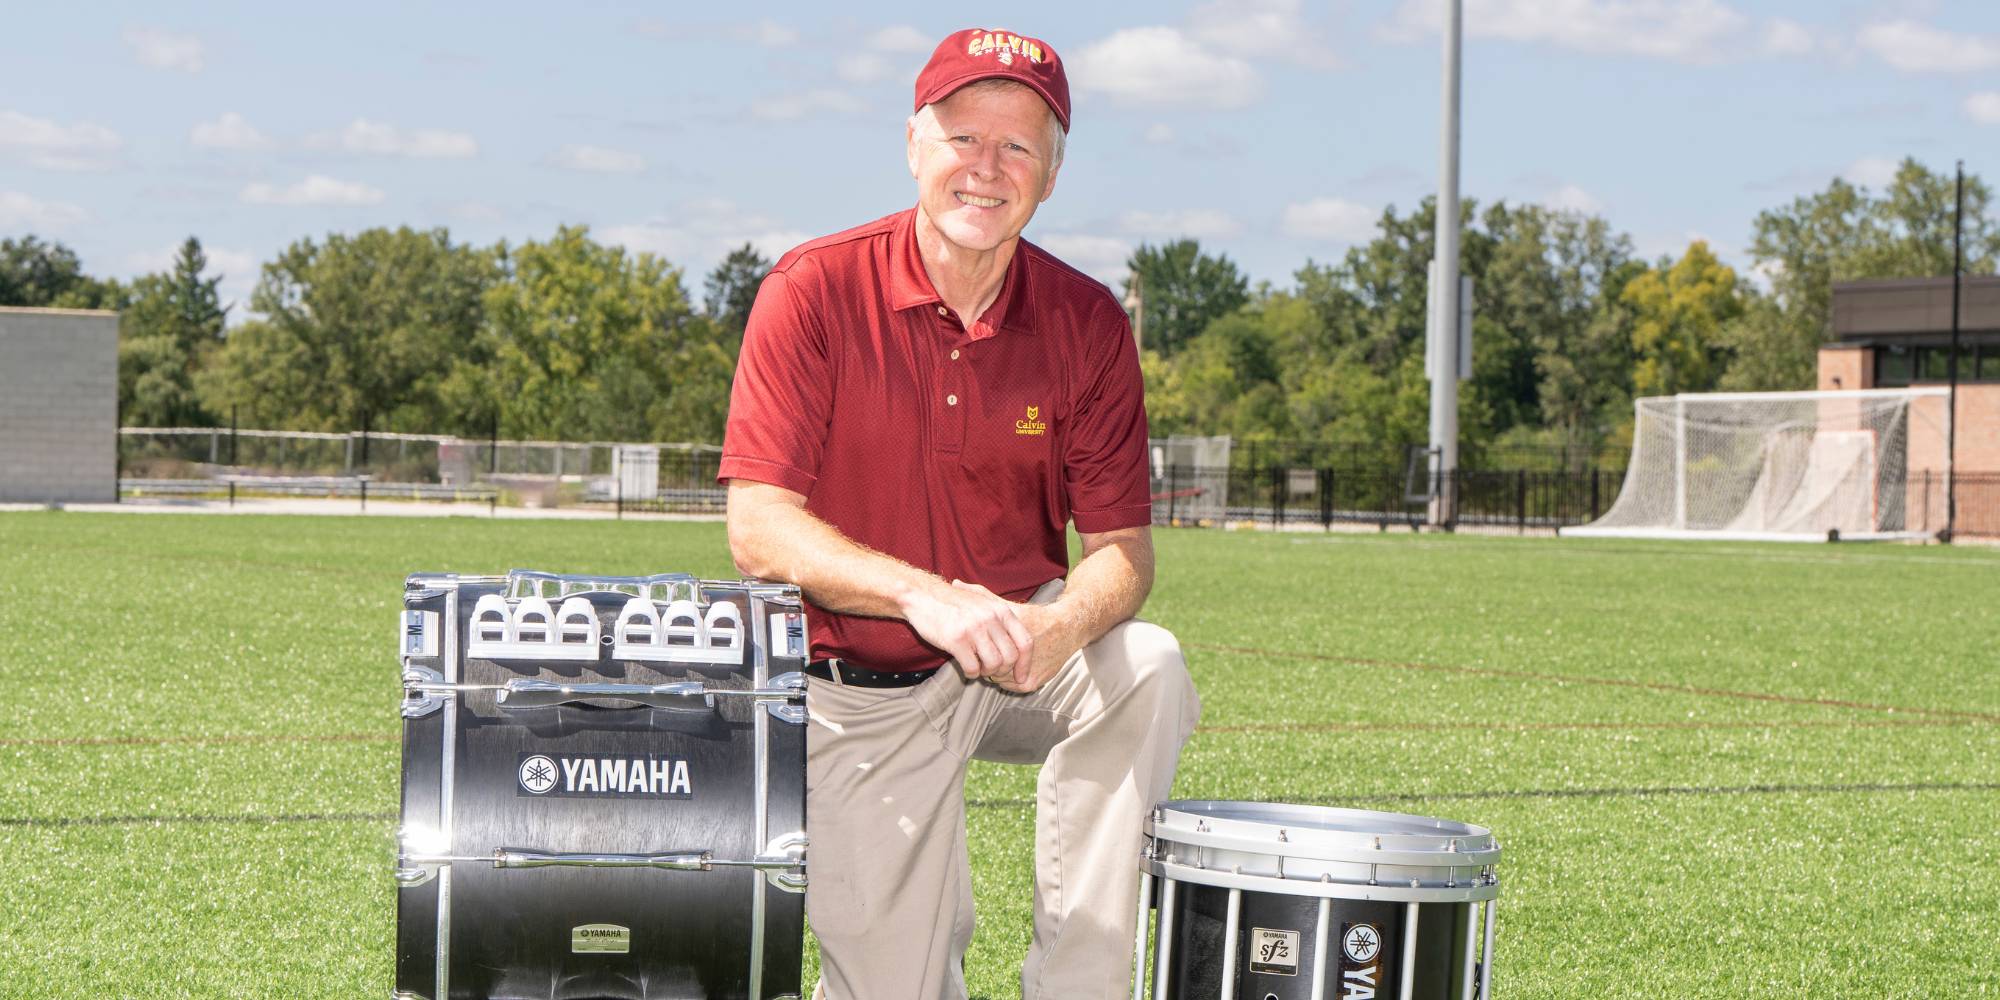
[603,789]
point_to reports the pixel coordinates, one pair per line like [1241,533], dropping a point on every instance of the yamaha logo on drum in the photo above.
[1361,962]
[651,776]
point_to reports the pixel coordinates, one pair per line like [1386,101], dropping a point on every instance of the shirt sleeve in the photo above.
[1104,469]
[780,401]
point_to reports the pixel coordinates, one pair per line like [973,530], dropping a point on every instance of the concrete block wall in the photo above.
[58,406]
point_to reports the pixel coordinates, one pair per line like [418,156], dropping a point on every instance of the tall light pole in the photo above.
[1135,305]
[1443,350]
[1951,403]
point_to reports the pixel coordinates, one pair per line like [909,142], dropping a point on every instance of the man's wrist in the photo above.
[912,590]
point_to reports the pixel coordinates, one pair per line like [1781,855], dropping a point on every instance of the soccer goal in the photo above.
[1779,466]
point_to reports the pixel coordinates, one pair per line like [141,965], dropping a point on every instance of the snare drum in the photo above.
[1263,901]
[603,789]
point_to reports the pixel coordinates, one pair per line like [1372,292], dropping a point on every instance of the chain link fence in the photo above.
[214,461]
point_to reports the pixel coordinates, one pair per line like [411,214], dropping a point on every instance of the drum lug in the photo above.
[786,709]
[417,708]
[783,861]
[410,878]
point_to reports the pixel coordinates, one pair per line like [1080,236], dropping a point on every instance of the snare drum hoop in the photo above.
[1475,888]
[1289,831]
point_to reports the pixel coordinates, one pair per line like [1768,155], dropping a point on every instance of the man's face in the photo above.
[988,165]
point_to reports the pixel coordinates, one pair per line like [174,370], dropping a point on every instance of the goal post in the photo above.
[1782,466]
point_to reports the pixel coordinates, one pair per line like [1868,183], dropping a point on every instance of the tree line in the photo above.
[1570,323]
[571,339]
[407,330]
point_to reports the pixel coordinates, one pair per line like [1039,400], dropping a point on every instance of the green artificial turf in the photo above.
[1718,770]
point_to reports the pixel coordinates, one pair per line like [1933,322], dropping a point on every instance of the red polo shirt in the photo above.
[961,451]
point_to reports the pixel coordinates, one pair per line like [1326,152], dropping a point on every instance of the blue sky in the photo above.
[1273,131]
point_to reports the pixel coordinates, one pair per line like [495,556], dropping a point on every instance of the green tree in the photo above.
[166,336]
[590,342]
[1678,313]
[1843,234]
[38,274]
[732,288]
[1184,290]
[382,328]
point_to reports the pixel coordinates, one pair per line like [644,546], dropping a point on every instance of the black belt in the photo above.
[845,674]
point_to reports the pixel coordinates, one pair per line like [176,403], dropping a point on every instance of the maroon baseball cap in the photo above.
[982,54]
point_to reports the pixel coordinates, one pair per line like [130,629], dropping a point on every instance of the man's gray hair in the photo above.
[925,120]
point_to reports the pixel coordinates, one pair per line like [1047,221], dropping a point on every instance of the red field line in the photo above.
[1532,675]
[224,740]
[1547,727]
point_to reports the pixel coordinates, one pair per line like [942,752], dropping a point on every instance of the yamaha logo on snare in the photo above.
[1361,962]
[648,776]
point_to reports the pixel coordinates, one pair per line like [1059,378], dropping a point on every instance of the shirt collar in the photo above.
[910,287]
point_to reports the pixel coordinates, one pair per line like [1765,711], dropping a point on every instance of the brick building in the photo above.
[58,405]
[1897,332]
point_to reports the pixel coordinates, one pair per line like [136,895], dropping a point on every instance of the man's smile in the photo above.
[978,202]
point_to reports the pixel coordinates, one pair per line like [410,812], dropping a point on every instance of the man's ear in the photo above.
[910,151]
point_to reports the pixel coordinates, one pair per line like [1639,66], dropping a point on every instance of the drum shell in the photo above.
[1301,878]
[1196,961]
[509,932]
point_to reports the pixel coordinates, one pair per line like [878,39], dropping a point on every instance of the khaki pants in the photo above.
[891,885]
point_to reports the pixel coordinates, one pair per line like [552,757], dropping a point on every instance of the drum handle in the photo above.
[677,696]
[782,862]
[683,861]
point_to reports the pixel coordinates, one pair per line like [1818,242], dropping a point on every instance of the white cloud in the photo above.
[231,131]
[314,190]
[43,143]
[1694,31]
[1199,223]
[1335,219]
[1786,37]
[23,211]
[472,210]
[1570,198]
[770,33]
[1919,48]
[1160,134]
[1268,29]
[902,38]
[863,67]
[791,107]
[1871,171]
[705,230]
[1101,257]
[378,139]
[763,31]
[598,159]
[164,49]
[1160,66]
[1984,107]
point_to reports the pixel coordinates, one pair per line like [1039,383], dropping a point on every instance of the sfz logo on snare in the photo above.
[1274,953]
[1360,962]
[603,776]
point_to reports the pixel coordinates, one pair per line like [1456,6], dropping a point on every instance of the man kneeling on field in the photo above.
[923,404]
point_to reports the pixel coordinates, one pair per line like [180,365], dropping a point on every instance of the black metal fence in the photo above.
[1521,499]
[1289,495]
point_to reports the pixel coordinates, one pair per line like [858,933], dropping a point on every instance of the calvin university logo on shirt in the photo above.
[1032,425]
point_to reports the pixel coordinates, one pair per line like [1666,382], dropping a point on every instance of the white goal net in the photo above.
[1807,466]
